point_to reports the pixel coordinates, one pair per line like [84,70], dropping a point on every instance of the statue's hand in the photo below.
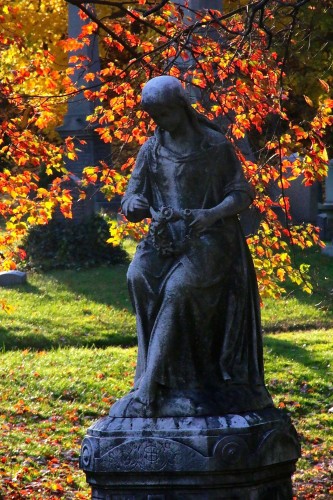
[138,202]
[136,208]
[203,219]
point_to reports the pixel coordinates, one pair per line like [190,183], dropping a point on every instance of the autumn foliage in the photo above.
[236,63]
[30,83]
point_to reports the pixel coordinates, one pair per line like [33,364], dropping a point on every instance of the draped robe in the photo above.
[197,310]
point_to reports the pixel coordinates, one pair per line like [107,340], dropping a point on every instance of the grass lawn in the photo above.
[68,351]
[299,375]
[301,311]
[69,308]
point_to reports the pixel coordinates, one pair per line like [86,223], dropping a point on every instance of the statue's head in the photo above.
[166,101]
[164,90]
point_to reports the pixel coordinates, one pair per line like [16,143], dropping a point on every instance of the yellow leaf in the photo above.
[284,256]
[281,274]
[9,309]
[307,288]
[325,155]
[325,85]
[308,100]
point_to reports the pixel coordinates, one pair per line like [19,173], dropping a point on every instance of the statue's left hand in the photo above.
[203,219]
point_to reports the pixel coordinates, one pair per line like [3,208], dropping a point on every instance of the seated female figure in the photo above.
[192,282]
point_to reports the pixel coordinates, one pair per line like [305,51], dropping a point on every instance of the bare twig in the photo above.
[155,9]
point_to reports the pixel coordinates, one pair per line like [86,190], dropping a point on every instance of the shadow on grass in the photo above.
[104,285]
[25,288]
[321,276]
[43,324]
[298,310]
[293,352]
[10,341]
[281,326]
[107,285]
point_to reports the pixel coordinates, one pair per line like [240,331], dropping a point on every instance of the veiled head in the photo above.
[167,102]
[164,90]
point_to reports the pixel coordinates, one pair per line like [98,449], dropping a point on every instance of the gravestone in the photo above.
[326,208]
[303,201]
[12,278]
[76,125]
[329,184]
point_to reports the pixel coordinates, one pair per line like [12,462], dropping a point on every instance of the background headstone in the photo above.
[12,278]
[76,125]
[326,208]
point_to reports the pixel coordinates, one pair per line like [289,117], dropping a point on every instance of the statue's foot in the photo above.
[138,408]
[136,385]
[134,404]
[146,392]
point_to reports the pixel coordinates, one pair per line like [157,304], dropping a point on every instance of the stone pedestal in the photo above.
[250,456]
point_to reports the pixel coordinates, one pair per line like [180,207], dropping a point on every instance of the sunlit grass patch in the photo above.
[63,308]
[49,398]
[67,355]
[299,375]
[92,307]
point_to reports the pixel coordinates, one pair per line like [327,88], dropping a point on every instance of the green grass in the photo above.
[49,398]
[298,310]
[69,308]
[299,375]
[90,307]
[68,351]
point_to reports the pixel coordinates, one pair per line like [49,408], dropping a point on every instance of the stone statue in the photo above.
[192,282]
[199,422]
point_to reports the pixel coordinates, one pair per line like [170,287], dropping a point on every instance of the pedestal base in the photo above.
[236,457]
[278,490]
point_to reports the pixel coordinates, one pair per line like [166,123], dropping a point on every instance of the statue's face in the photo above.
[168,117]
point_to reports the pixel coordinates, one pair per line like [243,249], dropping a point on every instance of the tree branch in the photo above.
[155,9]
[80,5]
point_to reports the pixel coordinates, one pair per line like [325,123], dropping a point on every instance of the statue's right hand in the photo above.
[138,202]
[136,208]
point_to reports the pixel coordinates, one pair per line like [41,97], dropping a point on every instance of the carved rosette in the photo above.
[231,450]
[87,454]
